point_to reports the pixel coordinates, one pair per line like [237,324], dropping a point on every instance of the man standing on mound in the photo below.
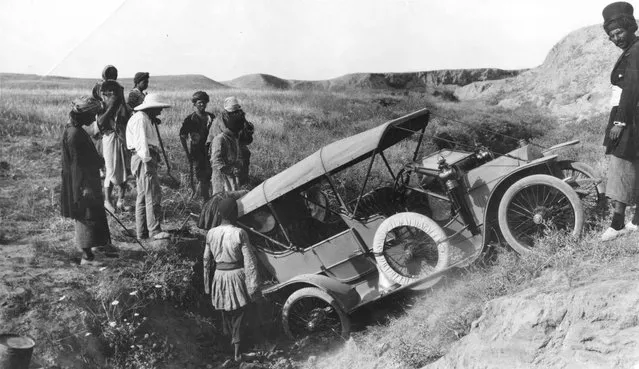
[142,139]
[622,133]
[195,129]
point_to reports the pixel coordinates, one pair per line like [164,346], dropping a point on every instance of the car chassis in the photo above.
[386,240]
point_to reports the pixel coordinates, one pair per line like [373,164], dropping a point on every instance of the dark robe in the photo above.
[80,169]
[625,75]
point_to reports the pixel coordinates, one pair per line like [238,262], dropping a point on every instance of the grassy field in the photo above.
[86,319]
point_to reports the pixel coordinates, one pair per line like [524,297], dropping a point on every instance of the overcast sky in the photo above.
[293,39]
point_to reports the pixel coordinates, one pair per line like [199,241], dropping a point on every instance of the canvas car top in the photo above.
[333,157]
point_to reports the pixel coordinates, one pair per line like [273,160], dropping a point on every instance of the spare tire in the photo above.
[417,247]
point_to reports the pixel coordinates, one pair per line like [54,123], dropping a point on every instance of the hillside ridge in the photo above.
[573,80]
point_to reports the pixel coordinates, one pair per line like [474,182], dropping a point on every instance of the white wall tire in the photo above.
[311,311]
[421,258]
[534,203]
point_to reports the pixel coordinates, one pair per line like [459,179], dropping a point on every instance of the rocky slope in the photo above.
[573,80]
[557,323]
[370,81]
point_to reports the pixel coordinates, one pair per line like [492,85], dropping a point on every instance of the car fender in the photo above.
[498,192]
[344,294]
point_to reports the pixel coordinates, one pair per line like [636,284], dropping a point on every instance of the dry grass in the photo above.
[289,126]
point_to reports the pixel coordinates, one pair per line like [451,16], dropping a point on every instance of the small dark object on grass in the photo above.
[4,240]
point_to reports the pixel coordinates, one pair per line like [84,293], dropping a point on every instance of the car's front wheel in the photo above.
[312,312]
[534,205]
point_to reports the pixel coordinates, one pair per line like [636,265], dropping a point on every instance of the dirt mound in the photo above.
[259,82]
[555,325]
[573,80]
[417,80]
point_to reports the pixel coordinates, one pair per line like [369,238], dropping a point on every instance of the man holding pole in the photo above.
[195,129]
[143,140]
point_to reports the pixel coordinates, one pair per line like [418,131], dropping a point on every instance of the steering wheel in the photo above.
[401,180]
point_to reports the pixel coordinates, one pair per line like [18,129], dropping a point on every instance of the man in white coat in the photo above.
[144,143]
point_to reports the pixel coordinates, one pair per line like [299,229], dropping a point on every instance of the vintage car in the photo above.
[366,217]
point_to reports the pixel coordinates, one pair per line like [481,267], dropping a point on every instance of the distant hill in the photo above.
[574,79]
[259,82]
[180,82]
[157,83]
[372,81]
[418,80]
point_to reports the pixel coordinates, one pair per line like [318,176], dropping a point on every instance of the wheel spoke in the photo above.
[411,252]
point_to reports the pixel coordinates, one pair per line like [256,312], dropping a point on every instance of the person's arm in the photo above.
[184,134]
[133,99]
[625,115]
[112,106]
[246,136]
[250,265]
[78,178]
[207,265]
[218,159]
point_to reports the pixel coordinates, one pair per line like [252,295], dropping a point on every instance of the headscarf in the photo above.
[228,209]
[200,95]
[231,104]
[139,77]
[85,104]
[619,15]
[84,109]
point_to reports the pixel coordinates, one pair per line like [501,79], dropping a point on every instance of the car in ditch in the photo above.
[370,215]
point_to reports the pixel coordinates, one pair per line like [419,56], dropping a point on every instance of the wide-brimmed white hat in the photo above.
[152,101]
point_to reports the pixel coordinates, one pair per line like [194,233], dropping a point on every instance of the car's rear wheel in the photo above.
[584,181]
[312,312]
[409,247]
[534,205]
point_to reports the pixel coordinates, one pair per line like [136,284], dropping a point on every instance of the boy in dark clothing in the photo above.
[195,129]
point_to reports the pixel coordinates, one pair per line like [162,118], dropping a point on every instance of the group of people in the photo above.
[85,197]
[127,142]
[217,147]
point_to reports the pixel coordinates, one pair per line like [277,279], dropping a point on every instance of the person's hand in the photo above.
[207,290]
[236,171]
[112,100]
[88,193]
[156,120]
[615,132]
[255,294]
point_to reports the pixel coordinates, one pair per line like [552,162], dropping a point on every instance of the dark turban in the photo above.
[140,76]
[619,15]
[200,95]
[109,72]
[228,209]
